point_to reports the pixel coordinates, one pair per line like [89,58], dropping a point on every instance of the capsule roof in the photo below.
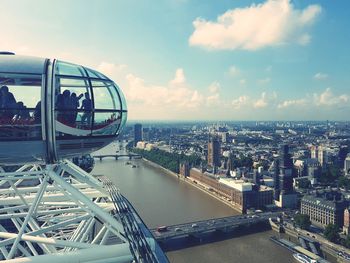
[20,64]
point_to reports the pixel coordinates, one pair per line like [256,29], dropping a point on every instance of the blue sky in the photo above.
[199,60]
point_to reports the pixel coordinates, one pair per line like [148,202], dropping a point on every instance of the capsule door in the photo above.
[21,138]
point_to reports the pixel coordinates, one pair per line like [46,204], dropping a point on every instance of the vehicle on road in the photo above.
[162,228]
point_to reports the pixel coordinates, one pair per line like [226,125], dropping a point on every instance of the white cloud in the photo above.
[262,102]
[320,76]
[214,87]
[327,98]
[240,101]
[233,71]
[178,100]
[110,69]
[304,39]
[213,100]
[265,100]
[291,103]
[272,23]
[179,77]
[243,82]
[268,68]
[177,95]
[264,81]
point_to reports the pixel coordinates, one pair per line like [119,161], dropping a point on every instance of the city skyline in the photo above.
[184,60]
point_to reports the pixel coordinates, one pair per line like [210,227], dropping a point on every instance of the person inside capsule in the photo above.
[8,103]
[19,94]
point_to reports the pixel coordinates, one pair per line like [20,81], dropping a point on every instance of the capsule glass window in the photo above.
[122,98]
[106,123]
[20,106]
[73,106]
[106,96]
[73,101]
[69,69]
[123,107]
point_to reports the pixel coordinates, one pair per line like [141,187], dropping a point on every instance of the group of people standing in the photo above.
[67,105]
[11,110]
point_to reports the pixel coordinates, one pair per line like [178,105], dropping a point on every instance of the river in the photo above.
[162,199]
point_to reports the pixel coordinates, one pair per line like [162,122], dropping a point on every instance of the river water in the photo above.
[162,199]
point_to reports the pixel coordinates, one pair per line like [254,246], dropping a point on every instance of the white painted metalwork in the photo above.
[58,213]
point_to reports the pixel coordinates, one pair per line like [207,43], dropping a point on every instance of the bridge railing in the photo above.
[203,226]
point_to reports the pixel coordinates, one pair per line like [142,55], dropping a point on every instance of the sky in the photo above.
[199,59]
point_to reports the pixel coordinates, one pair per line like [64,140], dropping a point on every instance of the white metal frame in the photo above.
[58,213]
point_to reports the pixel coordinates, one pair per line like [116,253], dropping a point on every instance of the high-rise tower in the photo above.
[287,196]
[286,170]
[137,133]
[214,152]
[276,179]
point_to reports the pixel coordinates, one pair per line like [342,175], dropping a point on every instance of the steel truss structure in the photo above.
[59,213]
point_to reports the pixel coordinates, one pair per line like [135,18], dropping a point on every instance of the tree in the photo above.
[346,242]
[167,160]
[303,221]
[331,233]
[242,161]
[344,182]
[331,174]
[305,184]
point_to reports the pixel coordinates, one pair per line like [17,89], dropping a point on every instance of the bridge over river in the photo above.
[224,224]
[117,156]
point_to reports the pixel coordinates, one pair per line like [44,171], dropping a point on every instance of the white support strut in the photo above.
[58,213]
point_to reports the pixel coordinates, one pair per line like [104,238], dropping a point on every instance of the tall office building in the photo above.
[346,226]
[224,137]
[256,177]
[214,152]
[343,151]
[322,156]
[319,153]
[286,170]
[287,197]
[185,169]
[314,152]
[347,165]
[146,134]
[230,159]
[137,133]
[276,179]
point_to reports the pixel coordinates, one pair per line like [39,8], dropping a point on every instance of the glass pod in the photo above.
[50,109]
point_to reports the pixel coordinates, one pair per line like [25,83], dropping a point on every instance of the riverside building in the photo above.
[242,195]
[324,208]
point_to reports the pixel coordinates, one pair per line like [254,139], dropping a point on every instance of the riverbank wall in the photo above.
[197,185]
[328,250]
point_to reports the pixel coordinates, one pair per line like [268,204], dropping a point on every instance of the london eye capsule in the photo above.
[51,109]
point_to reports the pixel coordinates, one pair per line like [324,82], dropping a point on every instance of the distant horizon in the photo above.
[140,121]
